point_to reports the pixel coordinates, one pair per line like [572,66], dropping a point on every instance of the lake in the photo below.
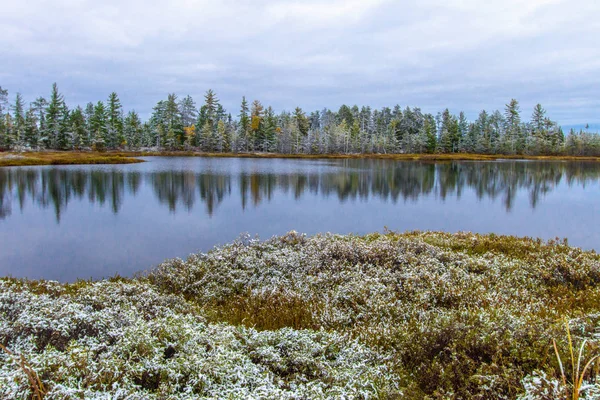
[94,221]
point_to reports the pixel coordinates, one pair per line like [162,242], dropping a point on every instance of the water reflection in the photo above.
[349,180]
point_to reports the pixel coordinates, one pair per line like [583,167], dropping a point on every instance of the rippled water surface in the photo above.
[70,222]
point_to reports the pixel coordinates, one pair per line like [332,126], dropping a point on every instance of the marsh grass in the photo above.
[399,157]
[64,158]
[578,369]
[265,311]
[127,157]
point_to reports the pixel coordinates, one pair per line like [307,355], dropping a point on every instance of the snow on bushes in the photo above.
[416,315]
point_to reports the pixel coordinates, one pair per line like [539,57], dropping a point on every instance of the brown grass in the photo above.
[268,311]
[399,157]
[64,158]
[128,157]
[37,387]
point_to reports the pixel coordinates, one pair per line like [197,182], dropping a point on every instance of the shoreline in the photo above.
[13,159]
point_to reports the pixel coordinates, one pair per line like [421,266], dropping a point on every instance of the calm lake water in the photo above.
[70,222]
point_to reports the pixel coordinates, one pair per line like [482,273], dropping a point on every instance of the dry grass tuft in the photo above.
[37,387]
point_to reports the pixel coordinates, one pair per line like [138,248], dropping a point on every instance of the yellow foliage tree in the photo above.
[190,134]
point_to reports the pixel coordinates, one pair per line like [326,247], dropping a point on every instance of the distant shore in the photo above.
[28,158]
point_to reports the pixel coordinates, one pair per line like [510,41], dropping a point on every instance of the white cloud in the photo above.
[288,53]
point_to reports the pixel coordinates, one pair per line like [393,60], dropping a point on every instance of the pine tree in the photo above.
[78,127]
[302,127]
[64,139]
[429,127]
[445,136]
[3,126]
[3,101]
[54,119]
[31,129]
[537,118]
[223,144]
[18,131]
[211,102]
[132,130]
[99,126]
[513,138]
[245,124]
[174,123]
[256,132]
[39,108]
[463,131]
[115,136]
[188,111]
[270,130]
[207,140]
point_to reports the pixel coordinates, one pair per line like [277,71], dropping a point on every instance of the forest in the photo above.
[179,124]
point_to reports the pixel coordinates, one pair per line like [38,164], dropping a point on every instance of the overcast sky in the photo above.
[466,55]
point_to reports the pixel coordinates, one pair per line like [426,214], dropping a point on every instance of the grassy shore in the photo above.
[127,157]
[64,158]
[382,316]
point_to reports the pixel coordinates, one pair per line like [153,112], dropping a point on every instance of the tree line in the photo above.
[179,124]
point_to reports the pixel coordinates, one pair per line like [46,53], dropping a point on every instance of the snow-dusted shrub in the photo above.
[415,315]
[462,315]
[125,340]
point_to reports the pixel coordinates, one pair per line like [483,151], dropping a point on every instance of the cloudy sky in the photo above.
[462,54]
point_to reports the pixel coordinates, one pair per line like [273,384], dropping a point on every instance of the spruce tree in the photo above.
[78,127]
[31,129]
[18,131]
[115,136]
[244,124]
[513,138]
[54,118]
[132,130]
[99,126]
[189,113]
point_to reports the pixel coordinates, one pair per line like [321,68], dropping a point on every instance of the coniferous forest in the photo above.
[182,124]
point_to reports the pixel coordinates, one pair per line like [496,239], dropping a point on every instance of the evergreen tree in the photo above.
[173,121]
[223,144]
[537,118]
[188,110]
[55,112]
[78,127]
[513,137]
[446,140]
[115,136]
[302,126]
[463,131]
[207,139]
[270,130]
[18,131]
[256,132]
[3,124]
[64,139]
[88,114]
[3,101]
[31,129]
[99,126]
[429,127]
[132,130]
[244,124]
[211,102]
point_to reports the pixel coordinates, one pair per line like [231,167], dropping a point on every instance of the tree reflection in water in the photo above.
[351,180]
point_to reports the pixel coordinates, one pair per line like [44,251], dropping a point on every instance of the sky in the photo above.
[466,55]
